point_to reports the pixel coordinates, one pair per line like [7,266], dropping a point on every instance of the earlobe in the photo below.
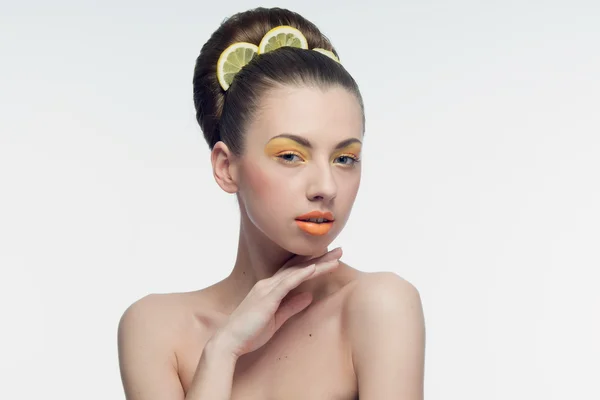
[223,167]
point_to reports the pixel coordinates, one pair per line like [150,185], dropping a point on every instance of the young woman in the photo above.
[285,124]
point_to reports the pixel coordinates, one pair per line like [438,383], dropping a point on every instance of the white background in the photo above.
[481,183]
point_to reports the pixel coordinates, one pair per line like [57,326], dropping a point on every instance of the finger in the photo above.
[332,255]
[325,267]
[293,280]
[277,278]
[299,260]
[291,307]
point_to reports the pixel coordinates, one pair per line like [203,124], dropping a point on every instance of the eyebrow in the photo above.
[304,142]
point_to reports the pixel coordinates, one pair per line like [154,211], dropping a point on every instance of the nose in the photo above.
[322,183]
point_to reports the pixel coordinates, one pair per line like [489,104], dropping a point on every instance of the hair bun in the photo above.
[248,26]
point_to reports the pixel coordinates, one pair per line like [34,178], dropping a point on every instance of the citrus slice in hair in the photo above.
[282,36]
[232,59]
[328,53]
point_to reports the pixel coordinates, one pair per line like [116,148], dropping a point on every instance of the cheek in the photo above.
[349,184]
[262,188]
[348,190]
[257,181]
[266,198]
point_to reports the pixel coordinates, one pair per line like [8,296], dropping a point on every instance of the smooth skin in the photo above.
[262,312]
[368,333]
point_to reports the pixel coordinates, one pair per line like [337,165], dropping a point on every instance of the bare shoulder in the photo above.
[149,334]
[152,322]
[384,288]
[385,328]
[380,300]
[167,316]
[153,312]
[151,308]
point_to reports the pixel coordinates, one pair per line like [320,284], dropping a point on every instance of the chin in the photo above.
[306,245]
[296,241]
[307,250]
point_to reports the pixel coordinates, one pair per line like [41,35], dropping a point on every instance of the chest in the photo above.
[308,358]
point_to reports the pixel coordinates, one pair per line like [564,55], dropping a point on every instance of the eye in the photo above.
[348,159]
[290,158]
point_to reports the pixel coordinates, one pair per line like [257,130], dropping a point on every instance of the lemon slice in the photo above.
[328,53]
[282,36]
[232,59]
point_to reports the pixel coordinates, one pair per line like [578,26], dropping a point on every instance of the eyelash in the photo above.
[355,159]
[280,156]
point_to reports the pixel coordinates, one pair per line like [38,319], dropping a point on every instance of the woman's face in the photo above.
[301,156]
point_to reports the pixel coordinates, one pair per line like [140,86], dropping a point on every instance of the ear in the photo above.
[224,168]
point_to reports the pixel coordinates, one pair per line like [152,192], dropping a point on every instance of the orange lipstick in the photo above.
[316,223]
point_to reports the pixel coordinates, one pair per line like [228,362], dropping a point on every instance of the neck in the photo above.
[259,258]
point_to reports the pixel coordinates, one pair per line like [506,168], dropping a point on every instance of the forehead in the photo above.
[323,116]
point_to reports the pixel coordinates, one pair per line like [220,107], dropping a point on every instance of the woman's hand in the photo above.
[262,312]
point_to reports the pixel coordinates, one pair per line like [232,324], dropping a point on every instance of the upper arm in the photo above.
[146,359]
[387,336]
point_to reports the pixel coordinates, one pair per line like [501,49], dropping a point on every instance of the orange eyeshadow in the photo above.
[281,145]
[353,148]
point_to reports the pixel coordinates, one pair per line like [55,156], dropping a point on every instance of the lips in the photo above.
[316,223]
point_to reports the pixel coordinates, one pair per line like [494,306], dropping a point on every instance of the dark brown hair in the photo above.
[224,115]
